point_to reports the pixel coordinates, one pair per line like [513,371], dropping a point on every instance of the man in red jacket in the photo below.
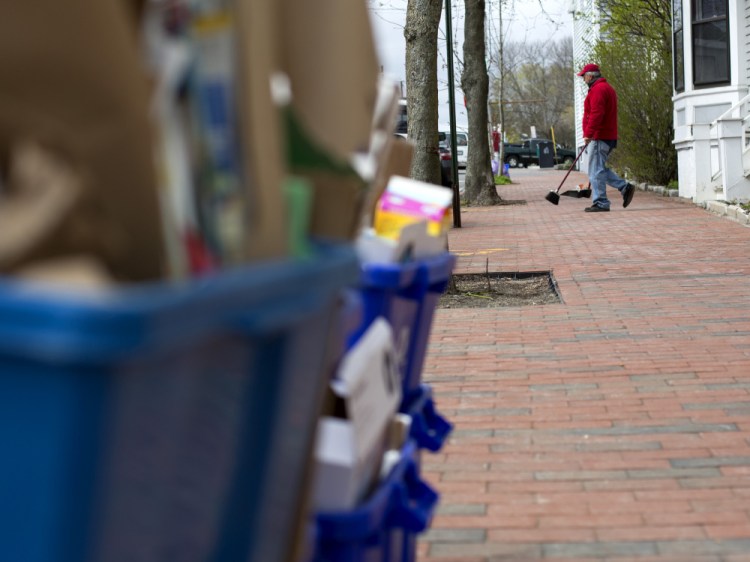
[600,135]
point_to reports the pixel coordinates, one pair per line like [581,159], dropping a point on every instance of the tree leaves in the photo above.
[539,89]
[636,59]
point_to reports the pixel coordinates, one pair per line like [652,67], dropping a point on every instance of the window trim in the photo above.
[695,23]
[678,75]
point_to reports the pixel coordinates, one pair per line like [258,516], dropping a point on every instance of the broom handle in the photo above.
[571,168]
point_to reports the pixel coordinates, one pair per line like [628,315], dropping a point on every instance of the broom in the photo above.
[554,196]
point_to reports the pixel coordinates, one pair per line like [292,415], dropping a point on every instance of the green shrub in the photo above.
[502,180]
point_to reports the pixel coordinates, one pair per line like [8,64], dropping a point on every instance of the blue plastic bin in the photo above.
[406,295]
[386,526]
[165,422]
[429,429]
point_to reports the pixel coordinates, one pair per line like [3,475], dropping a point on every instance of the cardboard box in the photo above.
[406,201]
[350,447]
[414,243]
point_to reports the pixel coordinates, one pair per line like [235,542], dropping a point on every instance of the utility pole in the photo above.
[501,151]
[452,115]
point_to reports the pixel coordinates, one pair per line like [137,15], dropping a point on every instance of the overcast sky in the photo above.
[530,20]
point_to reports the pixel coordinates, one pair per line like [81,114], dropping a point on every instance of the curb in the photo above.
[719,208]
[660,190]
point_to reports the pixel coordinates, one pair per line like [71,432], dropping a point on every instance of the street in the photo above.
[514,173]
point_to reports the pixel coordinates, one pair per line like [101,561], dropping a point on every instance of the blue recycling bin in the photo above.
[406,295]
[386,526]
[164,422]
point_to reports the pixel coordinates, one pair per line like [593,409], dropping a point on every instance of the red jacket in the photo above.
[600,112]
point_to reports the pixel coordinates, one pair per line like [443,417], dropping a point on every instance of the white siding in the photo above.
[585,35]
[695,109]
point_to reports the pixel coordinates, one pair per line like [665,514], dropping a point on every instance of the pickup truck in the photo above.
[527,152]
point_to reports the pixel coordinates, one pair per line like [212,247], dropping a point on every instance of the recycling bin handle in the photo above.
[428,428]
[414,501]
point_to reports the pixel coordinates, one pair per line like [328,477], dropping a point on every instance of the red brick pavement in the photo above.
[614,426]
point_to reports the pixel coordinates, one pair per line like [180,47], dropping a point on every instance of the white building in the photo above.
[586,31]
[711,65]
[711,62]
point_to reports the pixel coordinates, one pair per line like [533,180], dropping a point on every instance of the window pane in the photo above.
[679,54]
[710,52]
[679,63]
[706,9]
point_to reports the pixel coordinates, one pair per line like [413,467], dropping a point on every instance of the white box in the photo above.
[349,449]
[414,243]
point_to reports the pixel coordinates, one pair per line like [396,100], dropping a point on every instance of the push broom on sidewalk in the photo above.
[554,195]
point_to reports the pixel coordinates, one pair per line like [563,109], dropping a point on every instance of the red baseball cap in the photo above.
[589,68]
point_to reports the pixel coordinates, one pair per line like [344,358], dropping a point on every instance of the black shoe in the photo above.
[596,209]
[627,195]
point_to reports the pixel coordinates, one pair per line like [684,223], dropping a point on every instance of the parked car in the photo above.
[527,153]
[446,165]
[462,143]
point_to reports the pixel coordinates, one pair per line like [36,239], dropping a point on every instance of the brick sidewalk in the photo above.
[615,426]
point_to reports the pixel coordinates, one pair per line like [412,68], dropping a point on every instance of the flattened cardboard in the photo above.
[386,108]
[338,204]
[37,207]
[329,55]
[397,158]
[70,274]
[73,81]
[262,128]
[136,9]
[338,190]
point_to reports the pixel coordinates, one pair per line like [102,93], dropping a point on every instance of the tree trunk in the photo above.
[480,183]
[421,33]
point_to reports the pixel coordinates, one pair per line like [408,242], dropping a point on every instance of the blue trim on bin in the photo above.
[53,326]
[406,295]
[402,503]
[430,270]
[429,429]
